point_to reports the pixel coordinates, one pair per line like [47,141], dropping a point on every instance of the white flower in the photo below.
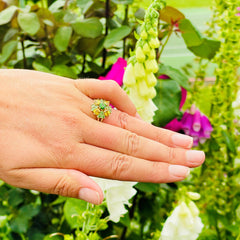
[183,224]
[117,194]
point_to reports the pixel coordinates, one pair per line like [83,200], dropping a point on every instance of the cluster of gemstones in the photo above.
[101,109]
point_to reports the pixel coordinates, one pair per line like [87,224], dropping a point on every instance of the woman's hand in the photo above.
[50,140]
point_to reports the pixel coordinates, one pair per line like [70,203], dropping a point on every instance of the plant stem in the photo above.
[165,43]
[66,4]
[49,45]
[84,63]
[107,9]
[124,40]
[23,53]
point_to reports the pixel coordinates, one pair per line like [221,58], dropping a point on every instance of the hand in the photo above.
[50,140]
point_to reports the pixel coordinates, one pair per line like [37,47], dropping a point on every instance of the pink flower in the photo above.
[238,13]
[117,71]
[197,125]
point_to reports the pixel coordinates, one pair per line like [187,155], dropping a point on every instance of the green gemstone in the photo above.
[101,115]
[102,105]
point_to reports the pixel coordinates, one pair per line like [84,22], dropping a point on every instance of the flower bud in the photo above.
[146,49]
[154,43]
[129,77]
[153,32]
[151,80]
[139,70]
[140,54]
[144,35]
[142,88]
[151,65]
[152,54]
[193,195]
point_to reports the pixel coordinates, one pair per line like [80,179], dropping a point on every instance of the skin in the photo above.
[51,142]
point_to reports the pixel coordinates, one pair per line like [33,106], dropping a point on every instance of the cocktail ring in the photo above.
[101,109]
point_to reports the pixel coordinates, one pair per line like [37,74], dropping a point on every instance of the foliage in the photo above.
[83,38]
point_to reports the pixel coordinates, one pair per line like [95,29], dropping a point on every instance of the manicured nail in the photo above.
[181,140]
[178,171]
[89,195]
[195,157]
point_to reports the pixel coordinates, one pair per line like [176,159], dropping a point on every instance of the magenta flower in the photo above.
[117,71]
[197,125]
[238,13]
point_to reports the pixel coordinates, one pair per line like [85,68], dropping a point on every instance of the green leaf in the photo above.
[196,43]
[207,49]
[8,49]
[174,74]
[229,141]
[62,38]
[29,22]
[190,34]
[147,187]
[90,46]
[7,14]
[64,71]
[15,197]
[73,209]
[167,101]
[116,35]
[89,28]
[19,224]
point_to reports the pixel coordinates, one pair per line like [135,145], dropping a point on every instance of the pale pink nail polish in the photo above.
[178,171]
[181,140]
[89,195]
[195,157]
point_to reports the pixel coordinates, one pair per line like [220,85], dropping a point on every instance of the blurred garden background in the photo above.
[180,61]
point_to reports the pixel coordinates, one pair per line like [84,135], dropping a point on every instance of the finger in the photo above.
[108,90]
[126,142]
[138,126]
[65,182]
[105,163]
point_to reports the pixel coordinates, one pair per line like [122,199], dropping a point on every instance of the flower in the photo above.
[139,78]
[117,194]
[184,223]
[238,13]
[176,125]
[117,71]
[197,125]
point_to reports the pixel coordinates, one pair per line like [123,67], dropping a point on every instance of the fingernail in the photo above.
[181,140]
[195,157]
[178,171]
[89,195]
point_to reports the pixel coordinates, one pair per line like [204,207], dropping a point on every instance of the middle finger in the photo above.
[126,142]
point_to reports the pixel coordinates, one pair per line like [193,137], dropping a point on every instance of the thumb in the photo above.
[65,182]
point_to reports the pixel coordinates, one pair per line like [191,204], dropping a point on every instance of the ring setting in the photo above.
[101,109]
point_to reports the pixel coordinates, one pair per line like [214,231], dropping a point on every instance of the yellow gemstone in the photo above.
[96,111]
[97,102]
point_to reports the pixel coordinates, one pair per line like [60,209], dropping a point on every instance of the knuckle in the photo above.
[63,186]
[132,143]
[171,155]
[112,86]
[120,166]
[123,120]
